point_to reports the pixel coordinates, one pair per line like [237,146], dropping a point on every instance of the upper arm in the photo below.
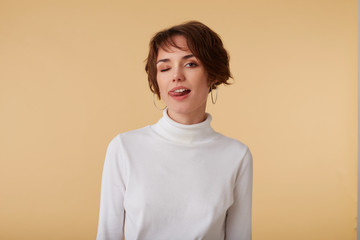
[111,217]
[238,220]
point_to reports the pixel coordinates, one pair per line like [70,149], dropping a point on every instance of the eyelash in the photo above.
[192,66]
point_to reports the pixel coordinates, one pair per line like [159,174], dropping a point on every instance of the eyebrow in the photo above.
[167,59]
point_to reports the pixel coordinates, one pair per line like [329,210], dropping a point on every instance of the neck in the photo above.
[188,118]
[176,132]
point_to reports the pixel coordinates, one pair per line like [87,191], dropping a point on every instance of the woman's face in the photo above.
[182,80]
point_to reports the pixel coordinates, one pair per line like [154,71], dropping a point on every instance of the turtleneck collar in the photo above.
[181,133]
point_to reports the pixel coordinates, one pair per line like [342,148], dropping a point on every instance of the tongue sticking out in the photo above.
[179,93]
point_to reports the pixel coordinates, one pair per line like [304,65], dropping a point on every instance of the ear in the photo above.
[214,84]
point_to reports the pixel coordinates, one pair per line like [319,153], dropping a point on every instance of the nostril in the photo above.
[176,79]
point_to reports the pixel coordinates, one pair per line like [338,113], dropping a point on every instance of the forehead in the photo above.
[177,43]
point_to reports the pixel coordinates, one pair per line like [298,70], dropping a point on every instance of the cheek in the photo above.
[203,84]
[161,85]
[159,82]
[205,92]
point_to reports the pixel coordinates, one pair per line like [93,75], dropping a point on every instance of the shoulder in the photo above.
[234,148]
[130,136]
[240,152]
[232,143]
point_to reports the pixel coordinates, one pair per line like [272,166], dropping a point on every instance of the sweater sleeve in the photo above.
[238,220]
[111,217]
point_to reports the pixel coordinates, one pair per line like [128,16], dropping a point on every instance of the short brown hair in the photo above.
[203,42]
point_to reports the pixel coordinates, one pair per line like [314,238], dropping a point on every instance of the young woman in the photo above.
[179,179]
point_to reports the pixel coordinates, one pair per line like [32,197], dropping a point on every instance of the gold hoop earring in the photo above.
[160,109]
[211,93]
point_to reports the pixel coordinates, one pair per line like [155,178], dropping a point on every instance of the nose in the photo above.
[178,75]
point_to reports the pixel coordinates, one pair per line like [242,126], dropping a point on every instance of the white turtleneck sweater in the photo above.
[170,181]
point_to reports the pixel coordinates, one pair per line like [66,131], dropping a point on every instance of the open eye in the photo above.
[191,64]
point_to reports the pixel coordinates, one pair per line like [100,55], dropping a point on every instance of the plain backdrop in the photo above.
[72,77]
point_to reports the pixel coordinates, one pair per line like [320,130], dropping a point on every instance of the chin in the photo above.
[184,109]
[179,109]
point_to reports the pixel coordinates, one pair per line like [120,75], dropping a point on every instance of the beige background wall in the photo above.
[71,78]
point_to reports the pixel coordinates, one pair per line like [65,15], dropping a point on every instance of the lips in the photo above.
[179,91]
